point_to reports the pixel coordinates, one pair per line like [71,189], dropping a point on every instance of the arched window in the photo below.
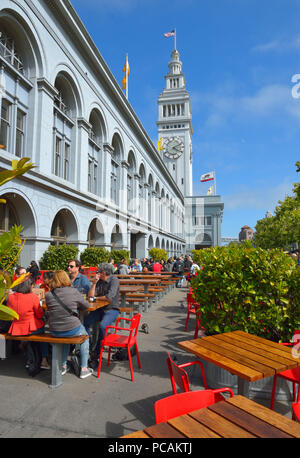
[95,145]
[58,230]
[8,216]
[142,193]
[13,80]
[115,169]
[130,182]
[64,111]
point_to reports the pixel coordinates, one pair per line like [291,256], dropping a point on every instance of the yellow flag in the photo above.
[210,190]
[126,70]
[159,145]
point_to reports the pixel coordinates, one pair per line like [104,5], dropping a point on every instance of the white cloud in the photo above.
[277,45]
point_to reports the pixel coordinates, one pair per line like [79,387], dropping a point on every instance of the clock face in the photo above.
[173,148]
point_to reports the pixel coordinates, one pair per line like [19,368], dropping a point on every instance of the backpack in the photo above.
[33,357]
[122,354]
[75,362]
[180,267]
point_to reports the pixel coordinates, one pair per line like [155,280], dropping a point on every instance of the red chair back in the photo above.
[134,325]
[178,376]
[191,303]
[179,404]
[296,410]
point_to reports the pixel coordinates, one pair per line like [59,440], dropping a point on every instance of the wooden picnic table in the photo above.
[139,282]
[236,417]
[249,357]
[125,289]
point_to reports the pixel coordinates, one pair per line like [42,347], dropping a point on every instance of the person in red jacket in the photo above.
[27,306]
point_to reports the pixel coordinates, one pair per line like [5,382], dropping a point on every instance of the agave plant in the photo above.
[10,239]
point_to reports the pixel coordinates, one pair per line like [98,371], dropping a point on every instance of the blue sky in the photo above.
[239,57]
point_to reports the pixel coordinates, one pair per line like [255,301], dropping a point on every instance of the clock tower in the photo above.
[175,127]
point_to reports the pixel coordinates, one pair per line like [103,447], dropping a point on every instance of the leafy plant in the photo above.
[93,256]
[283,229]
[249,289]
[56,257]
[158,254]
[118,255]
[10,243]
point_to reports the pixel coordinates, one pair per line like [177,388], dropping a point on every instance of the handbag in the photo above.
[71,312]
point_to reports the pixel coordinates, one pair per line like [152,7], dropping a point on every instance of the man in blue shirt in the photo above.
[80,281]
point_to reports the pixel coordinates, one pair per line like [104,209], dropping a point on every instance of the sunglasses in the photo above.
[70,266]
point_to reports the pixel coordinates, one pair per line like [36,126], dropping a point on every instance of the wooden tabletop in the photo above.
[236,417]
[130,288]
[98,304]
[132,281]
[245,355]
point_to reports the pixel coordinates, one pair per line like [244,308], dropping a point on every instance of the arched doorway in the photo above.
[64,228]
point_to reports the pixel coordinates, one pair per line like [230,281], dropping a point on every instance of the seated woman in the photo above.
[46,278]
[27,306]
[62,302]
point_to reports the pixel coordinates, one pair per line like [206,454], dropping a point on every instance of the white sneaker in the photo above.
[86,373]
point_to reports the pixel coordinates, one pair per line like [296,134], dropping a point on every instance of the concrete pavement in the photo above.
[111,406]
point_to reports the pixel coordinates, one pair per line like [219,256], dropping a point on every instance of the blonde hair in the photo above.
[60,279]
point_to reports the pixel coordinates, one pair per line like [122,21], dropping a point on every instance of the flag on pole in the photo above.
[159,145]
[126,70]
[170,34]
[207,177]
[210,190]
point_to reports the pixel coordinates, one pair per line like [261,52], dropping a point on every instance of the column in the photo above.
[44,130]
[107,152]
[82,154]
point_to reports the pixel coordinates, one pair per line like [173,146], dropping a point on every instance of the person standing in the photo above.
[79,281]
[105,286]
[34,270]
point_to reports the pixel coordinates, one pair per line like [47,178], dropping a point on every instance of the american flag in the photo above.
[170,34]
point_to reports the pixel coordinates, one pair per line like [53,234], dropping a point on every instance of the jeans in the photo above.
[84,347]
[44,345]
[106,317]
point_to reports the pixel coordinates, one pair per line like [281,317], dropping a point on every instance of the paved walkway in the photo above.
[111,406]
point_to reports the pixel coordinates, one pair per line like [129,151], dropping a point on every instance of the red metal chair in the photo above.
[182,403]
[192,309]
[121,341]
[179,376]
[296,410]
[292,375]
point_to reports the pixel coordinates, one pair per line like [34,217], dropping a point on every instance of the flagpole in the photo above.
[127,76]
[175,40]
[215,183]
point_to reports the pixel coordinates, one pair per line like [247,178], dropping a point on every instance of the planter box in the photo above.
[261,389]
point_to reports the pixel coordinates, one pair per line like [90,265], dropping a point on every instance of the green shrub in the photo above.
[56,257]
[158,254]
[93,256]
[249,289]
[118,255]
[9,260]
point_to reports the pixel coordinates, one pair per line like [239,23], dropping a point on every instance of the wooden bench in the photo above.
[140,301]
[56,342]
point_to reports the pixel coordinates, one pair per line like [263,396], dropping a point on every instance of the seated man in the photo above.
[105,285]
[80,281]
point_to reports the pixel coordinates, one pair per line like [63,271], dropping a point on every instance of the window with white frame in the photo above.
[62,130]
[13,110]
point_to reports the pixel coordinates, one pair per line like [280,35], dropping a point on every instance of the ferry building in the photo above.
[99,180]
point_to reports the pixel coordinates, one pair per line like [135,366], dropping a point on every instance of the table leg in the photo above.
[243,387]
[149,300]
[123,300]
[56,365]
